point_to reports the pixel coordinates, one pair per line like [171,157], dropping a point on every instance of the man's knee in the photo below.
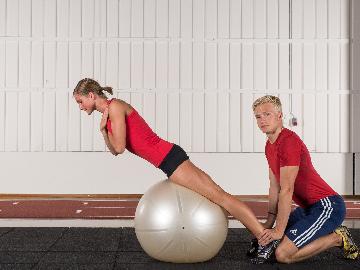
[282,255]
[285,251]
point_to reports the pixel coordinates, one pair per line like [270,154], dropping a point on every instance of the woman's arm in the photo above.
[104,131]
[116,140]
[108,143]
[117,113]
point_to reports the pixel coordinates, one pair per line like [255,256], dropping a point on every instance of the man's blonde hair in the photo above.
[268,99]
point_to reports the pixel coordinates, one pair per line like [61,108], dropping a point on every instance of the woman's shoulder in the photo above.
[118,105]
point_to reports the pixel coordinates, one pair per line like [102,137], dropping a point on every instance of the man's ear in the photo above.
[280,115]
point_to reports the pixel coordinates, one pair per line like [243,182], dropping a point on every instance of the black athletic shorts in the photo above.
[173,159]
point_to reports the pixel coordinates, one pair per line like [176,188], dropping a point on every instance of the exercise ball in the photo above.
[176,224]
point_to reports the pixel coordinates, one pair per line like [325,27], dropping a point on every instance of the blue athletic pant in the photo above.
[322,218]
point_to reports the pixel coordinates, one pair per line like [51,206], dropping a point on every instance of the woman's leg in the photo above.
[190,176]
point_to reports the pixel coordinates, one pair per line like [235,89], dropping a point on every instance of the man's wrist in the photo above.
[279,229]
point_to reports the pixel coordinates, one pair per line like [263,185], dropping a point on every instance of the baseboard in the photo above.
[5,196]
[110,206]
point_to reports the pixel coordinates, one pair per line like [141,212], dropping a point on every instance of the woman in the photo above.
[123,128]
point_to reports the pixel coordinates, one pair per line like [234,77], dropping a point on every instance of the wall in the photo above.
[101,173]
[191,68]
[355,89]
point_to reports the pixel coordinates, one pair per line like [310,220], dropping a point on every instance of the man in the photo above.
[315,225]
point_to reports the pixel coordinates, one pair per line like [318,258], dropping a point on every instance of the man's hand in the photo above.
[269,235]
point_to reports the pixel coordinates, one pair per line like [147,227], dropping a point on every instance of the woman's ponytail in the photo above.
[107,89]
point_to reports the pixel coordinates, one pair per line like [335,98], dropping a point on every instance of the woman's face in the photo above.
[86,103]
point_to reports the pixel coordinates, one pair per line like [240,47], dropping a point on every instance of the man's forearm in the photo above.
[273,204]
[272,212]
[269,221]
[284,209]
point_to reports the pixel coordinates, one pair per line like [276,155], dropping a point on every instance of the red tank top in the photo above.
[141,140]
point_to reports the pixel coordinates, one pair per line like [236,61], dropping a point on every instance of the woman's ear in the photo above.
[91,95]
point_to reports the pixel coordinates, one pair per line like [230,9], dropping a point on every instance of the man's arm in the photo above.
[287,179]
[273,201]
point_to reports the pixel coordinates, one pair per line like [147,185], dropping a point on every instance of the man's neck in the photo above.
[274,135]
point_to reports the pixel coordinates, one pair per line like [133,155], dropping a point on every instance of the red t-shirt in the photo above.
[142,141]
[289,150]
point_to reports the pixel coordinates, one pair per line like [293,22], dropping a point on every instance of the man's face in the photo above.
[268,118]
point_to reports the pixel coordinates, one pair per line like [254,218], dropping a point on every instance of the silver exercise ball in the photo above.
[176,224]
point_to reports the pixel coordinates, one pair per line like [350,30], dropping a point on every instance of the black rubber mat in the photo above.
[118,248]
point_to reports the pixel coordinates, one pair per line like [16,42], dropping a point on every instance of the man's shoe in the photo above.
[253,248]
[351,251]
[264,253]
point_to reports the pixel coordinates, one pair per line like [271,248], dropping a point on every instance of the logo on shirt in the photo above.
[293,231]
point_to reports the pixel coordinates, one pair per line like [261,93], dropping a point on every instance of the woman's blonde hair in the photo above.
[87,85]
[268,99]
